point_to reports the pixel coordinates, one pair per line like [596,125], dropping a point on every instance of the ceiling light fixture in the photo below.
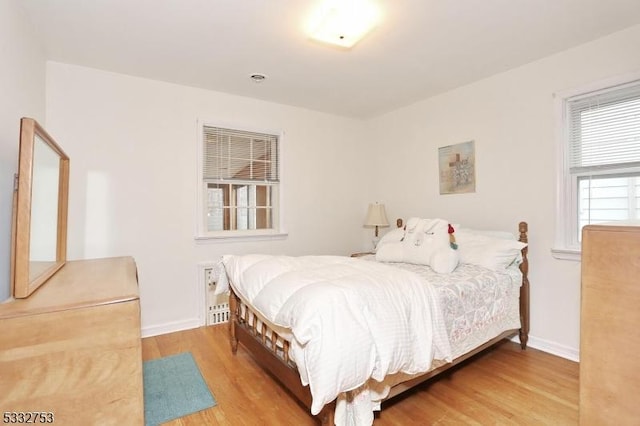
[343,22]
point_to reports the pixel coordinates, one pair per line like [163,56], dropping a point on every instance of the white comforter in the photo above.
[351,320]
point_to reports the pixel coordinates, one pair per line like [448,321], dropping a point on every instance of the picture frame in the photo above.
[457,168]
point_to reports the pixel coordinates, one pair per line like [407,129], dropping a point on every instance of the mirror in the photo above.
[39,231]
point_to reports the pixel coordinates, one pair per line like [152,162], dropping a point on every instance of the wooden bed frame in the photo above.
[271,351]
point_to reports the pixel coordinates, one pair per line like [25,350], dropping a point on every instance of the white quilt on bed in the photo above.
[477,303]
[394,318]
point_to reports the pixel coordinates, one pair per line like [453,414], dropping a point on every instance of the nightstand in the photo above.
[361,254]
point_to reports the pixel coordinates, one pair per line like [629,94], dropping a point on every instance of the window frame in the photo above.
[567,245]
[202,234]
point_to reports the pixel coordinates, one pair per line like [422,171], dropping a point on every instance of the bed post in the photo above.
[524,289]
[233,318]
[327,414]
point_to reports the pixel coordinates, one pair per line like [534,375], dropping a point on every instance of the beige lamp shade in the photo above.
[376,216]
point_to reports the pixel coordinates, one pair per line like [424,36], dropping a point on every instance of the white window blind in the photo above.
[604,155]
[240,183]
[604,130]
[239,155]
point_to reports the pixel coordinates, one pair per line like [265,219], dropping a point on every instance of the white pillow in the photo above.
[490,252]
[392,251]
[426,242]
[393,236]
[503,235]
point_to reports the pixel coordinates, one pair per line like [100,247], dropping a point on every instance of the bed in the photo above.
[460,314]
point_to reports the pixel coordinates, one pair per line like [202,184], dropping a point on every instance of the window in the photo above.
[601,160]
[240,183]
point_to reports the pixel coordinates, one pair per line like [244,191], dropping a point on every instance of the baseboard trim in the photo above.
[552,347]
[171,327]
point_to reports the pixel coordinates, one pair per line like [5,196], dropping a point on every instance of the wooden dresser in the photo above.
[73,347]
[610,313]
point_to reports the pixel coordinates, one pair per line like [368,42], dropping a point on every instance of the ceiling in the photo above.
[419,49]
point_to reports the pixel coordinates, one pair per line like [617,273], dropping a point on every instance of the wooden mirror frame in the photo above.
[23,277]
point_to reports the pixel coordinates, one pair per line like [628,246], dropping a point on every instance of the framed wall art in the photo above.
[457,167]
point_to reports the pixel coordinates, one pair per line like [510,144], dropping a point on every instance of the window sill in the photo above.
[202,239]
[567,254]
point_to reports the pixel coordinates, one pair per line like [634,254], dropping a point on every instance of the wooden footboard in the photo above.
[270,350]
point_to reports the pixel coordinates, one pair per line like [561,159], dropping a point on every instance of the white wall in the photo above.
[132,145]
[510,117]
[22,79]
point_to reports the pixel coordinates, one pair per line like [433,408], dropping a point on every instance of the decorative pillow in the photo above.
[393,236]
[490,252]
[390,252]
[425,242]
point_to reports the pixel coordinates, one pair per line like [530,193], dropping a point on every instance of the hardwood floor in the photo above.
[503,386]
